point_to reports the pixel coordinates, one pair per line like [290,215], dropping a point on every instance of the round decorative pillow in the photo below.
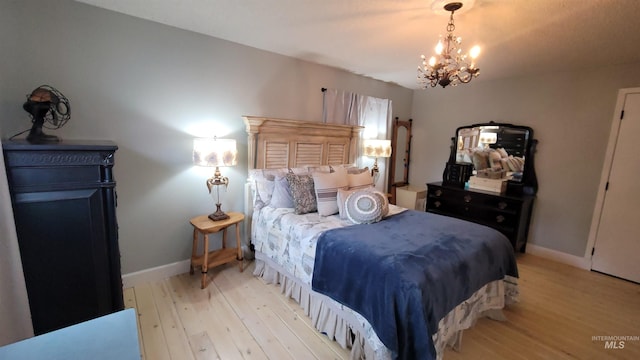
[385,201]
[364,207]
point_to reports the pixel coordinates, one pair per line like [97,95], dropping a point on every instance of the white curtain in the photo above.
[15,317]
[375,114]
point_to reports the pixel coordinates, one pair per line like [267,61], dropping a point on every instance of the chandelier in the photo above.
[449,66]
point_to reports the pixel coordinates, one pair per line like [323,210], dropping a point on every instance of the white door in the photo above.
[617,245]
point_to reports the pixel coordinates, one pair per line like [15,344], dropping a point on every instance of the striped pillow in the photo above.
[326,187]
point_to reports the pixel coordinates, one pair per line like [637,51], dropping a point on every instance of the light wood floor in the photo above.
[561,309]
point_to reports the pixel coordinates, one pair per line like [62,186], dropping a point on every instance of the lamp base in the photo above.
[218,215]
[375,171]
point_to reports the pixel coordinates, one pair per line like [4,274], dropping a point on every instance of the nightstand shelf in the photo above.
[215,258]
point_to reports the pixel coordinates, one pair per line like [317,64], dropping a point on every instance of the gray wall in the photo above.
[570,114]
[152,88]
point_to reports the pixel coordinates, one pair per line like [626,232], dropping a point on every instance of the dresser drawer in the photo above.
[508,214]
[476,199]
[506,222]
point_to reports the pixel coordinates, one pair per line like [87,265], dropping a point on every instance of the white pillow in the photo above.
[360,181]
[364,207]
[319,168]
[326,188]
[263,193]
[342,199]
[263,183]
[281,197]
[351,169]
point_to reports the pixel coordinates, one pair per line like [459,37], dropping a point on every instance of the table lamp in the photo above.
[488,139]
[377,148]
[215,152]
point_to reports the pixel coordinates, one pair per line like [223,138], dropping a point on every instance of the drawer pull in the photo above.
[438,192]
[502,205]
[499,218]
[467,198]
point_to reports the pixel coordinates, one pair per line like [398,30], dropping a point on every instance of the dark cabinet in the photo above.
[64,204]
[509,214]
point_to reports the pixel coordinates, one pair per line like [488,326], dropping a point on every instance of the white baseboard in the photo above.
[162,272]
[165,271]
[155,274]
[577,261]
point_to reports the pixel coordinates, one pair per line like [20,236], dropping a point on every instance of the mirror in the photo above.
[400,155]
[401,146]
[498,150]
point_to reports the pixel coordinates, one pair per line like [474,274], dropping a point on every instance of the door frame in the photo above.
[606,171]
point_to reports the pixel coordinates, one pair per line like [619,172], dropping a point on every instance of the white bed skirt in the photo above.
[352,331]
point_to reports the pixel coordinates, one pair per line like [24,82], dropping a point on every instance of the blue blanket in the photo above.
[405,273]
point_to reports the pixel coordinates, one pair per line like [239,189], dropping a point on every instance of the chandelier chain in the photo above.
[451,26]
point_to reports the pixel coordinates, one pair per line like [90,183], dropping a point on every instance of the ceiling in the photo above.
[383,39]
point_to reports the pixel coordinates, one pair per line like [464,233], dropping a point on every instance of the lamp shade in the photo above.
[214,152]
[488,138]
[377,148]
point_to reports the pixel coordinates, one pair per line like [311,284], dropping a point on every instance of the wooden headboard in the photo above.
[281,143]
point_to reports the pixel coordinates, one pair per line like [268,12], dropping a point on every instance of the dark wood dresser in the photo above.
[509,214]
[64,204]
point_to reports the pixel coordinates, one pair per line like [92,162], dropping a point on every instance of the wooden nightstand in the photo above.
[205,226]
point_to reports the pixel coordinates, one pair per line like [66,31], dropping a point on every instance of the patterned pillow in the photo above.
[326,188]
[302,190]
[364,207]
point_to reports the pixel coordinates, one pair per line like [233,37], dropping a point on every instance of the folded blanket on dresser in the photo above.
[405,273]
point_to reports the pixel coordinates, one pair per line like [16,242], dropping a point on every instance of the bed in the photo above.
[402,286]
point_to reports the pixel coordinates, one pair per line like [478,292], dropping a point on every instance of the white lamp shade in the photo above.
[214,152]
[377,148]
[488,138]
